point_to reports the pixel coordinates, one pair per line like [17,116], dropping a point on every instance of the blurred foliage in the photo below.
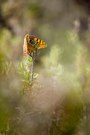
[71,115]
[58,100]
[24,72]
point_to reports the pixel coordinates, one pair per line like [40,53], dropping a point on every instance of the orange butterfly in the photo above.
[32,44]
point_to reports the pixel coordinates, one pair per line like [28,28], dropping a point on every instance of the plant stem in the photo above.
[32,71]
[32,67]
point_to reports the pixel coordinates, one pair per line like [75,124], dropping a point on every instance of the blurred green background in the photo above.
[58,101]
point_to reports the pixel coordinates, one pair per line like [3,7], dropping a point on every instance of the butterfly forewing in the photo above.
[40,43]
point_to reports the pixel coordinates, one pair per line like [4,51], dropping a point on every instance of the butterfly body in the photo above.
[32,44]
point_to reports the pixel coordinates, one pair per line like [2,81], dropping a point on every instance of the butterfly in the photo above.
[32,44]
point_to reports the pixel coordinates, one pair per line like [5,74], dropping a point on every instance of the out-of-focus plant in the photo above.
[70,118]
[5,66]
[24,72]
[51,62]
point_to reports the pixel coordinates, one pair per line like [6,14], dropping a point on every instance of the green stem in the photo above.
[32,67]
[32,70]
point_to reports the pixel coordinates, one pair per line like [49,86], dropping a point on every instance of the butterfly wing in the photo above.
[32,43]
[40,43]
